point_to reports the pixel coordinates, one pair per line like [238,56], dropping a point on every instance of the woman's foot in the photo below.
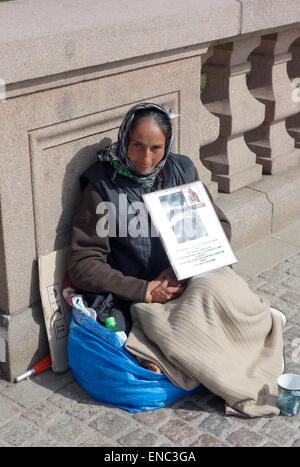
[151,366]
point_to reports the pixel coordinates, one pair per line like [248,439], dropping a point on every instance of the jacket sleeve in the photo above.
[87,264]
[222,218]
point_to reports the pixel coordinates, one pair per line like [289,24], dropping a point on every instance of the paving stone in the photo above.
[255,283]
[296,318]
[179,432]
[274,275]
[217,425]
[16,432]
[8,409]
[52,380]
[247,422]
[4,385]
[273,289]
[27,392]
[139,438]
[245,438]
[97,443]
[280,429]
[287,308]
[42,441]
[112,425]
[153,418]
[291,297]
[40,413]
[68,431]
[272,299]
[294,259]
[292,282]
[67,396]
[292,351]
[292,367]
[189,411]
[39,388]
[166,443]
[294,270]
[291,333]
[283,266]
[85,412]
[206,440]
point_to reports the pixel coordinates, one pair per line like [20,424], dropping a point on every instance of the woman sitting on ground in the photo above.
[135,269]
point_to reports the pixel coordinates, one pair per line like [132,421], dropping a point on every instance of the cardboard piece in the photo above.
[57,313]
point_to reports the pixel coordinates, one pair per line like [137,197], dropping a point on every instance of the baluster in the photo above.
[293,68]
[209,132]
[270,84]
[226,96]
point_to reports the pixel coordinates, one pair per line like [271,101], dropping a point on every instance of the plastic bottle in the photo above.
[110,323]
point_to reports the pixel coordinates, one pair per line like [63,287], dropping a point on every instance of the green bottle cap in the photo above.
[110,321]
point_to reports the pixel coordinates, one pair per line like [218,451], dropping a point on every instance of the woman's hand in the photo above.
[164,288]
[168,274]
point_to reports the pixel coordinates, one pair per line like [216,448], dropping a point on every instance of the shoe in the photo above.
[278,313]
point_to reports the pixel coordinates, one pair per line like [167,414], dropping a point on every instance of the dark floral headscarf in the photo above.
[117,153]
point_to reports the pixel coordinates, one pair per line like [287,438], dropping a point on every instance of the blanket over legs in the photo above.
[218,333]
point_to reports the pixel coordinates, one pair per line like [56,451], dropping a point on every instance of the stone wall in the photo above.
[69,72]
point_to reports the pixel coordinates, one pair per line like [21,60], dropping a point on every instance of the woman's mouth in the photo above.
[143,168]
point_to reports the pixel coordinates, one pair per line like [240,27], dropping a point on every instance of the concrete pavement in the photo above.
[52,410]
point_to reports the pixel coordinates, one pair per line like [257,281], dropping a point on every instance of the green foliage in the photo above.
[204,78]
[203,81]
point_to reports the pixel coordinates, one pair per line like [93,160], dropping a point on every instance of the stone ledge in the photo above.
[272,14]
[249,213]
[282,191]
[262,256]
[262,208]
[40,38]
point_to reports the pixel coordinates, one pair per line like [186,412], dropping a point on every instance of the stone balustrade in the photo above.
[274,148]
[69,70]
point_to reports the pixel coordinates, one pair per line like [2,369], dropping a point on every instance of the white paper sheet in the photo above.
[190,230]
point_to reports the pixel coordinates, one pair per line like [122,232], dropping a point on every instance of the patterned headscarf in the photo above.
[117,153]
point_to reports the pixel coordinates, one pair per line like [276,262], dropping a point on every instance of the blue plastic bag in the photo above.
[101,364]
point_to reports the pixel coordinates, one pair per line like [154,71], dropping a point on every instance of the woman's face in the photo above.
[146,146]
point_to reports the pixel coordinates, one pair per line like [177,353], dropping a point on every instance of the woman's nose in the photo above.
[146,153]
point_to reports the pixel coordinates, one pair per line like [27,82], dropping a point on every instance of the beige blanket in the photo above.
[218,333]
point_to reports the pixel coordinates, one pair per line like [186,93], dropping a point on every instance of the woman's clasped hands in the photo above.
[165,287]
